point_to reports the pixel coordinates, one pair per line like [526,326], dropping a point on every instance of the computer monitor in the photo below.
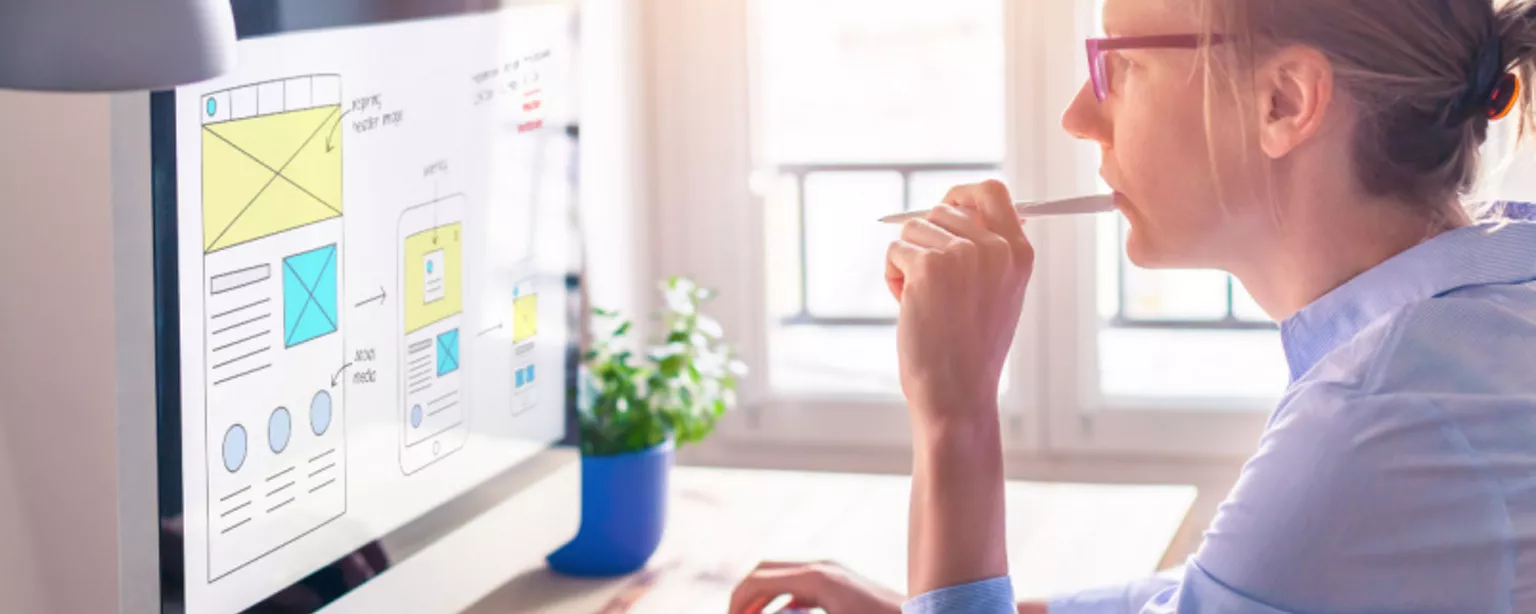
[363,252]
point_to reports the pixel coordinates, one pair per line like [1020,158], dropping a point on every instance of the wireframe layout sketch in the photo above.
[431,241]
[273,248]
[525,327]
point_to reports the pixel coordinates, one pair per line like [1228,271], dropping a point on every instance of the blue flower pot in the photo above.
[623,514]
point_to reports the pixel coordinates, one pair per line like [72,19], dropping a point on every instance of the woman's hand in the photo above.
[822,585]
[960,276]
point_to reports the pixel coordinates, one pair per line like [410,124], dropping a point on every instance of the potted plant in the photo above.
[633,412]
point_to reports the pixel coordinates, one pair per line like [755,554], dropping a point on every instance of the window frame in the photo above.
[703,163]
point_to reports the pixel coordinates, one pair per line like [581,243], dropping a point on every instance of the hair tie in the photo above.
[1504,97]
[1488,85]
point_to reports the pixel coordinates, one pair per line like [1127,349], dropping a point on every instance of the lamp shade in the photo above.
[113,45]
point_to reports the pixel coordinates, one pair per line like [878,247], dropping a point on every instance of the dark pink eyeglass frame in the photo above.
[1098,69]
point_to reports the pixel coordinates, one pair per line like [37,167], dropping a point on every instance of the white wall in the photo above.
[616,208]
[18,575]
[58,482]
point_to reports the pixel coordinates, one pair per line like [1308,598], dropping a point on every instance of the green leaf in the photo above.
[677,389]
[672,366]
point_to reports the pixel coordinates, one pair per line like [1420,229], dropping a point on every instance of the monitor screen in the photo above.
[363,240]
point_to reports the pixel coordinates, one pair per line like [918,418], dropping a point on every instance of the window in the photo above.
[839,111]
[1180,334]
[862,108]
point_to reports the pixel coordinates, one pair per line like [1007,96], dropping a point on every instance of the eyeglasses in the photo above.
[1098,68]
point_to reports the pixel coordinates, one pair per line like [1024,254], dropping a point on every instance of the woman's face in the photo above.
[1157,150]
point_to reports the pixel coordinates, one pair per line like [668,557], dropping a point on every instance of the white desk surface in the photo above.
[1061,537]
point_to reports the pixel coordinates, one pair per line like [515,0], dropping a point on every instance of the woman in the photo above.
[1318,150]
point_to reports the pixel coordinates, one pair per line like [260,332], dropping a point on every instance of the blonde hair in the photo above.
[1406,63]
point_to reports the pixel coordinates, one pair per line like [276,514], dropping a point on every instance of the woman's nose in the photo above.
[1084,118]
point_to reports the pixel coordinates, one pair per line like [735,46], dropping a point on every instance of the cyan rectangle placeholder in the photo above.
[448,352]
[309,295]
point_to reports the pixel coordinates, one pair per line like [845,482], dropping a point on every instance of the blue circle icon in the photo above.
[415,416]
[213,106]
[429,266]
[234,448]
[320,412]
[279,429]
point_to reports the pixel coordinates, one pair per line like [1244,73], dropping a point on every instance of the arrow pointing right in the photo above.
[379,298]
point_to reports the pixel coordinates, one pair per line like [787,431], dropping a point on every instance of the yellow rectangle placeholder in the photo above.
[432,294]
[525,317]
[267,174]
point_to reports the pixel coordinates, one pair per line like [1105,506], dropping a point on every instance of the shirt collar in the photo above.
[1495,252]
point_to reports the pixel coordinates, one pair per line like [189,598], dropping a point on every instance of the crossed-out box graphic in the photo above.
[273,242]
[271,173]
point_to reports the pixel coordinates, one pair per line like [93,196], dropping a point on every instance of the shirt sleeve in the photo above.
[993,596]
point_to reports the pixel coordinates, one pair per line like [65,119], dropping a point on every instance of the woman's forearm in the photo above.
[957,530]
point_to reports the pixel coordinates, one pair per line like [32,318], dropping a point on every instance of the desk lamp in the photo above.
[113,45]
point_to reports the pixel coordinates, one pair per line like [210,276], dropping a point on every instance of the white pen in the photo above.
[1072,206]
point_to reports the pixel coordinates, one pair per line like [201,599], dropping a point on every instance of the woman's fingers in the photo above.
[770,565]
[925,233]
[976,225]
[966,223]
[764,585]
[991,200]
[900,258]
[993,203]
[995,252]
[996,205]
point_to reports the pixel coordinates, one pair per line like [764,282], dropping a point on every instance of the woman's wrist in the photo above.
[957,417]
[957,522]
[969,449]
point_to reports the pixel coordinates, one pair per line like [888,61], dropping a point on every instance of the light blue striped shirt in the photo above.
[1397,476]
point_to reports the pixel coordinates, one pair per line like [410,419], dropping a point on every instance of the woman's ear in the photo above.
[1295,92]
